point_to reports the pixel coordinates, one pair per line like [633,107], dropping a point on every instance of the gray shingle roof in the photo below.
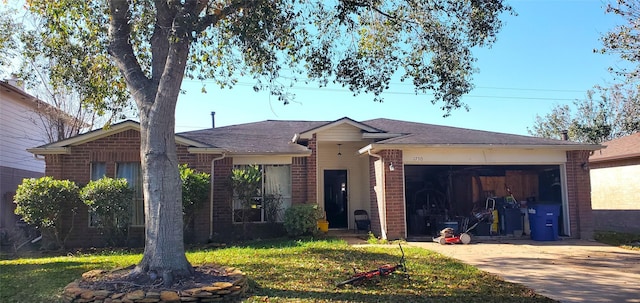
[272,136]
[268,136]
[420,133]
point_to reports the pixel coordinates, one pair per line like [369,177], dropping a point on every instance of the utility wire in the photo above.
[343,90]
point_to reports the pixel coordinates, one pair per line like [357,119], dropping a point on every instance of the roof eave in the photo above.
[615,158]
[207,150]
[377,147]
[287,154]
[49,150]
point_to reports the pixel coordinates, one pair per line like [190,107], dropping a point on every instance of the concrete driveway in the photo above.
[565,270]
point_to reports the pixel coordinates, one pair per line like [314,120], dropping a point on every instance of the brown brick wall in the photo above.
[394,191]
[579,195]
[299,180]
[394,195]
[222,198]
[120,147]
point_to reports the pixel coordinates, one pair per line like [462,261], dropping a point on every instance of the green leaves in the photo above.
[302,219]
[605,114]
[42,201]
[245,183]
[110,202]
[46,203]
[195,191]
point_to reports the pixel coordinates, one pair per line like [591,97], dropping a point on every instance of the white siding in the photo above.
[19,130]
[342,132]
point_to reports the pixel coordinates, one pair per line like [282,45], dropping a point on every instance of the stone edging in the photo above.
[230,291]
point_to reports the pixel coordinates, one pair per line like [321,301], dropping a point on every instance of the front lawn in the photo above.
[288,271]
[620,239]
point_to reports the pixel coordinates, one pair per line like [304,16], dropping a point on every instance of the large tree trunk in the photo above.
[164,246]
[156,98]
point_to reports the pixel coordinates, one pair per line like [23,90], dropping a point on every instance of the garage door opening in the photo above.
[439,196]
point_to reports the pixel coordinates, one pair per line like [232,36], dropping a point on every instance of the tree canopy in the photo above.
[145,48]
[605,114]
[624,40]
[356,44]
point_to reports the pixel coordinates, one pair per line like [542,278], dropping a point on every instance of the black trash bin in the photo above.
[543,221]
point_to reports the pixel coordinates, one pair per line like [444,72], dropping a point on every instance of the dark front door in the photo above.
[335,198]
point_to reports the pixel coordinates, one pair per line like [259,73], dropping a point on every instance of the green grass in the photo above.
[624,240]
[289,271]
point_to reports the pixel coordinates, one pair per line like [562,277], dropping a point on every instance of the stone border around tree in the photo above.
[231,291]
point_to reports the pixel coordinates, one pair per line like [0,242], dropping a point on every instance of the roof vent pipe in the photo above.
[213,119]
[565,135]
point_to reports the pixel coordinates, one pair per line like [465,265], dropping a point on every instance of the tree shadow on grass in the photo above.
[41,281]
[266,294]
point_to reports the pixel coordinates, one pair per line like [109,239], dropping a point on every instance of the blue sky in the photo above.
[544,56]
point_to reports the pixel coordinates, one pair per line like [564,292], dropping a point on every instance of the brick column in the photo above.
[394,194]
[579,194]
[299,180]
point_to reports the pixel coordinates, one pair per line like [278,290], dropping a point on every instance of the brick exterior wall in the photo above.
[119,147]
[579,195]
[299,180]
[124,147]
[394,194]
[222,196]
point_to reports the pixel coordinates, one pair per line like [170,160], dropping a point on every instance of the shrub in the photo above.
[110,201]
[195,191]
[272,205]
[302,219]
[43,201]
[245,183]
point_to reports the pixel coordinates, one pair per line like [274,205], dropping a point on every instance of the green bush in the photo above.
[302,219]
[42,202]
[195,191]
[110,201]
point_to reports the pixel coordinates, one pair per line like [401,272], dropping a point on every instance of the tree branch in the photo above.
[217,14]
[122,52]
[379,11]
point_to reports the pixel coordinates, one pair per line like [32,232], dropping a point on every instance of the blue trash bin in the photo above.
[543,221]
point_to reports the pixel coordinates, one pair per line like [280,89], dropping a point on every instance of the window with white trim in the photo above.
[272,198]
[132,172]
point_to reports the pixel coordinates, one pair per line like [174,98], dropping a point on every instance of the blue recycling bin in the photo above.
[543,221]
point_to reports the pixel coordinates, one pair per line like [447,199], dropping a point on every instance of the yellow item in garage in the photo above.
[494,225]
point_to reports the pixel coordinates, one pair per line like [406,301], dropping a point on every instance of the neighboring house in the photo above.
[409,177]
[615,185]
[19,130]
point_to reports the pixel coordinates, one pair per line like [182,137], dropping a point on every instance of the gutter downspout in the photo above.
[211,195]
[383,218]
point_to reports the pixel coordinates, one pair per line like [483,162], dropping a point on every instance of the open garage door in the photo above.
[438,196]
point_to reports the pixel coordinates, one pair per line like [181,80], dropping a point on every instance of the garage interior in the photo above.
[458,196]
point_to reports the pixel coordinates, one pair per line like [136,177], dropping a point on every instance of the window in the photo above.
[98,170]
[131,171]
[272,198]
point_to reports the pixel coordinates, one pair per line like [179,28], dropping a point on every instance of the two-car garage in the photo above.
[446,187]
